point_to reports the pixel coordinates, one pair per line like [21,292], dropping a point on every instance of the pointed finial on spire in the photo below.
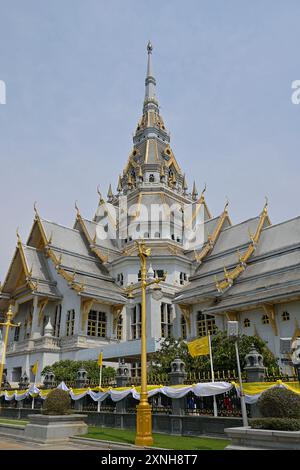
[184,184]
[150,97]
[110,193]
[119,188]
[194,192]
[149,47]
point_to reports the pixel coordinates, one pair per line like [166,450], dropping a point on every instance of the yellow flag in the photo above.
[100,359]
[35,368]
[199,347]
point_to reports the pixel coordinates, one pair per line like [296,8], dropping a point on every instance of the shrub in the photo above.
[279,424]
[58,402]
[279,402]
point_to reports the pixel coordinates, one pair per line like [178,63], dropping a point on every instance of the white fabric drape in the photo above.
[200,390]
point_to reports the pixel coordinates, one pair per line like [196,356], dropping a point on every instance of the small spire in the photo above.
[184,184]
[194,192]
[150,82]
[110,193]
[119,188]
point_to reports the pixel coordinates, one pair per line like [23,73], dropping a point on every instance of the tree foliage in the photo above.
[67,370]
[223,352]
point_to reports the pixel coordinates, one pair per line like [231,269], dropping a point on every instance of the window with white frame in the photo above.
[70,323]
[206,324]
[136,322]
[247,323]
[166,320]
[96,324]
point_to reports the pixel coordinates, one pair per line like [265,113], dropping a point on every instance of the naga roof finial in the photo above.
[35,209]
[100,195]
[77,208]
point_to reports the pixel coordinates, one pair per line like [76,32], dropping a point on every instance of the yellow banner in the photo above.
[199,347]
[100,359]
[35,368]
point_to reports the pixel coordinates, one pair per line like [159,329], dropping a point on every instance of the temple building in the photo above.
[68,285]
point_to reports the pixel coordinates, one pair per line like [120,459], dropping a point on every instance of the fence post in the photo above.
[255,372]
[81,382]
[177,377]
[255,369]
[121,381]
[49,380]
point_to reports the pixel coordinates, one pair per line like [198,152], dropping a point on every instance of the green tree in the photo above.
[222,349]
[67,370]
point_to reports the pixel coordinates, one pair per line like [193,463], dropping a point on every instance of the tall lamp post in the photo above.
[8,324]
[144,410]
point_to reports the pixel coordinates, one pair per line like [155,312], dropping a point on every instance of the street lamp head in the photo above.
[9,313]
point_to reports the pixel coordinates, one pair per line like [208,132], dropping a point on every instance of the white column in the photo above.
[35,328]
[127,322]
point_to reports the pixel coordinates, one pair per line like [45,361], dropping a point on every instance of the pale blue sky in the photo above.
[75,70]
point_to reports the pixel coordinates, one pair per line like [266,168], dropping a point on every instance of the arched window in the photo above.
[246,323]
[183,327]
[151,178]
[265,319]
[285,316]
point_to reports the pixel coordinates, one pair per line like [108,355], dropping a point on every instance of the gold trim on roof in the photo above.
[57,261]
[168,151]
[211,239]
[103,258]
[28,272]
[201,202]
[230,276]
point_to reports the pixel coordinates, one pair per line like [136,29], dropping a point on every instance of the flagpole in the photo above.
[212,375]
[100,381]
[32,403]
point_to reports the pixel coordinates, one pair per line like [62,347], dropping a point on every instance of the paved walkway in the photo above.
[15,444]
